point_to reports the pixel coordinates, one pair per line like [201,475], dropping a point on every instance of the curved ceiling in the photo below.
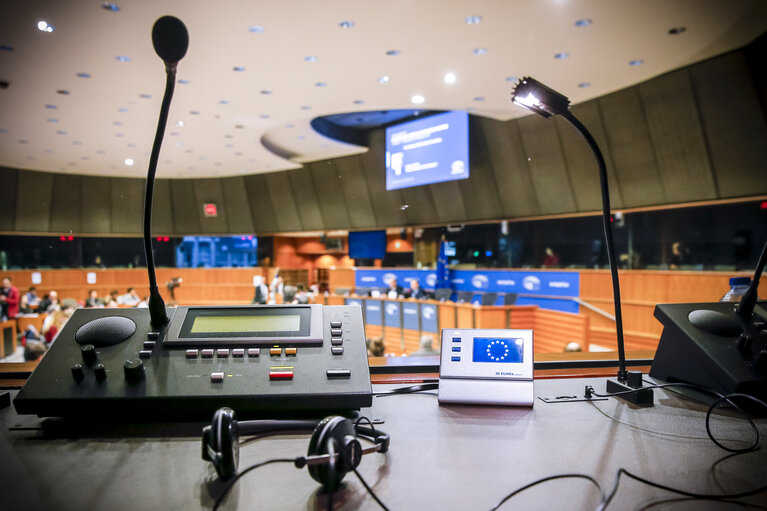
[257,73]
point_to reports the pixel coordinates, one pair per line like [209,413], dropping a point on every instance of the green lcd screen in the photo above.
[251,324]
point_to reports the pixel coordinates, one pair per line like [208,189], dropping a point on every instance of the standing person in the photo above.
[262,292]
[551,260]
[10,298]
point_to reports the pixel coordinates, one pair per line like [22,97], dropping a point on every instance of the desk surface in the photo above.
[441,458]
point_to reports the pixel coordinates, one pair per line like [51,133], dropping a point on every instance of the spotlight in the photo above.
[535,96]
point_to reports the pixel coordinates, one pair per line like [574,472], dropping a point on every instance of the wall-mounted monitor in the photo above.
[367,244]
[428,150]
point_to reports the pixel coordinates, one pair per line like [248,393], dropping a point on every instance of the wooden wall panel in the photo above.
[96,210]
[235,206]
[207,191]
[735,124]
[307,205]
[632,152]
[186,220]
[66,202]
[448,202]
[677,137]
[162,210]
[386,204]
[283,201]
[9,193]
[261,212]
[34,188]
[328,185]
[551,182]
[480,191]
[355,191]
[127,205]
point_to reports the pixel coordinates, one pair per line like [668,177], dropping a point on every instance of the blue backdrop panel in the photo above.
[521,282]
[391,314]
[373,312]
[429,318]
[410,313]
[353,301]
[380,278]
[556,304]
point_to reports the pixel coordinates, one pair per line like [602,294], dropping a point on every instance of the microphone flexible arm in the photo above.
[748,301]
[606,225]
[156,304]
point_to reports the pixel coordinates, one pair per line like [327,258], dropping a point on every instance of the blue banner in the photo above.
[353,301]
[373,312]
[391,314]
[379,279]
[410,315]
[429,318]
[443,272]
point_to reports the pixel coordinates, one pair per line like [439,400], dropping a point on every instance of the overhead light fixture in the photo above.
[129,161]
[585,22]
[346,24]
[561,56]
[535,96]
[636,62]
[183,82]
[310,58]
[384,79]
[122,58]
[479,98]
[417,99]
[239,69]
[677,30]
[180,124]
[479,51]
[109,6]
[43,26]
[320,84]
[392,53]
[584,84]
[450,78]
[473,20]
[256,29]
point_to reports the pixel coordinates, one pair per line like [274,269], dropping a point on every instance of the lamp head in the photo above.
[535,96]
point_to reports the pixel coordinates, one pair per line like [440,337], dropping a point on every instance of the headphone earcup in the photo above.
[224,439]
[331,429]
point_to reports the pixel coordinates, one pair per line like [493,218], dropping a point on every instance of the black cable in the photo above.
[156,304]
[551,478]
[370,491]
[238,476]
[409,390]
[721,397]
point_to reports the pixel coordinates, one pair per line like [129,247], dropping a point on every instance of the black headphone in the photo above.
[334,449]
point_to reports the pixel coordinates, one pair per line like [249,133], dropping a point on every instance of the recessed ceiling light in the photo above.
[479,98]
[228,136]
[51,107]
[450,78]
[346,24]
[256,29]
[145,96]
[100,151]
[240,126]
[561,56]
[43,26]
[178,144]
[52,120]
[129,161]
[6,47]
[511,78]
[77,142]
[584,84]
[63,92]
[320,84]
[266,92]
[264,116]
[392,53]
[49,150]
[289,126]
[677,30]
[84,158]
[3,130]
[310,58]
[109,6]
[229,145]
[300,137]
[122,58]
[119,135]
[117,123]
[194,112]
[473,20]
[223,102]
[123,110]
[306,107]
[417,99]
[180,124]
[133,145]
[183,82]
[636,62]
[479,51]
[384,79]
[238,69]
[238,153]
[585,22]
[83,75]
[23,141]
[61,132]
[358,102]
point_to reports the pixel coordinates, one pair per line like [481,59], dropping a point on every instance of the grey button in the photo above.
[222,352]
[238,352]
[207,353]
[149,345]
[335,324]
[191,353]
[153,336]
[253,352]
[337,350]
[336,341]
[144,353]
[336,332]
[217,377]
[344,374]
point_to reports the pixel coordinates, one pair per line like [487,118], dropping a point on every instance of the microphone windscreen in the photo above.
[170,39]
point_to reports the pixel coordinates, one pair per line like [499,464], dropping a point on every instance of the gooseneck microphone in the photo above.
[748,301]
[171,40]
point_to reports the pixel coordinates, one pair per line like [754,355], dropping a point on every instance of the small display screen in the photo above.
[251,324]
[498,350]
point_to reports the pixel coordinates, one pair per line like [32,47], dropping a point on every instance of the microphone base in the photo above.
[641,396]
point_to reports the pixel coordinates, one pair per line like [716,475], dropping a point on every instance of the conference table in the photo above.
[441,458]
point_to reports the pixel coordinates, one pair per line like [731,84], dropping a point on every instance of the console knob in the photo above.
[101,372]
[77,373]
[89,354]
[134,371]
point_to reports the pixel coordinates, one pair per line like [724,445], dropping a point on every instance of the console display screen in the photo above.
[498,350]
[251,324]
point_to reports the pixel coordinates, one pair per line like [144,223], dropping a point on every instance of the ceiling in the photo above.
[257,73]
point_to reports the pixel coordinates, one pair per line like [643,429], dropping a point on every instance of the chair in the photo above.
[443,294]
[465,296]
[489,298]
[342,291]
[362,291]
[510,298]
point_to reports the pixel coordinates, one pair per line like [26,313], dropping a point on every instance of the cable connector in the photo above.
[588,392]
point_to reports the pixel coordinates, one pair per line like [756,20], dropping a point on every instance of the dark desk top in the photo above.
[441,458]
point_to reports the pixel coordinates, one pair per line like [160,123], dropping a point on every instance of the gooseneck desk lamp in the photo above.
[535,96]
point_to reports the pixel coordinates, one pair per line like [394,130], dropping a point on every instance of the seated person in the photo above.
[425,348]
[34,350]
[49,303]
[289,294]
[131,298]
[93,299]
[416,291]
[112,300]
[262,292]
[376,347]
[56,321]
[302,296]
[394,290]
[30,301]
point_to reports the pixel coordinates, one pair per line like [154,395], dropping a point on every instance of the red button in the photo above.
[281,375]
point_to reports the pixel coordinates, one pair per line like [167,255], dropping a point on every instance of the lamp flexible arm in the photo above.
[606,224]
[156,303]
